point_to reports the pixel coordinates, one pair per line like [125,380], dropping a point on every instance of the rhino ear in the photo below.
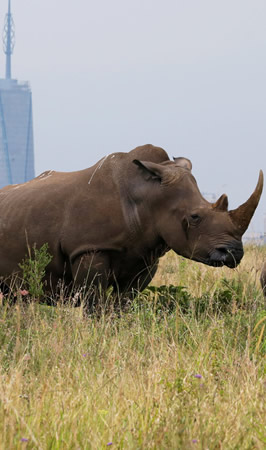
[183,162]
[222,203]
[156,170]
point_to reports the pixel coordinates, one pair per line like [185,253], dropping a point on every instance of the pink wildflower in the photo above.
[23,292]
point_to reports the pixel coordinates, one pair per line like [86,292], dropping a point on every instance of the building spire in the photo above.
[8,39]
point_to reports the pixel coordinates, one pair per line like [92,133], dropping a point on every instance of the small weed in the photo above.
[33,270]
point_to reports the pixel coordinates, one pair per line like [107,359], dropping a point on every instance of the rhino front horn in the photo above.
[242,216]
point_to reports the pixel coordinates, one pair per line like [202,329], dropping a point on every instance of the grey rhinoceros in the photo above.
[263,279]
[109,224]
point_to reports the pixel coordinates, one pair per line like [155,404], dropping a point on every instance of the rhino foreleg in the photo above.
[128,286]
[91,273]
[91,269]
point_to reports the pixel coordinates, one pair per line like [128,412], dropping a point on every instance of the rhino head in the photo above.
[190,225]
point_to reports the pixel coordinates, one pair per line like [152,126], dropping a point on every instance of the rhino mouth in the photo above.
[223,256]
[219,263]
[226,256]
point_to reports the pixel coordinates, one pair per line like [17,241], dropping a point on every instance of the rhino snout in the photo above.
[229,256]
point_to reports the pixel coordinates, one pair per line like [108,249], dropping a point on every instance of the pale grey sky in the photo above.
[185,75]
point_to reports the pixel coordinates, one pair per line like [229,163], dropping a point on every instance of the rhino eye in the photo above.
[195,218]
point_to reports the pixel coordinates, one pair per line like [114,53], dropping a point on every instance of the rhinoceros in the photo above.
[263,279]
[109,224]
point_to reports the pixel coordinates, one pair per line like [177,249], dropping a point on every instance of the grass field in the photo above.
[183,368]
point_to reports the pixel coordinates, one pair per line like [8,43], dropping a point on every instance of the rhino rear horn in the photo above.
[242,216]
[221,204]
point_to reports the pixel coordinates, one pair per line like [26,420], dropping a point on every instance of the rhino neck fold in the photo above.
[138,221]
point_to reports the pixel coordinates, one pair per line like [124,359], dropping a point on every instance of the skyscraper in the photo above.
[16,130]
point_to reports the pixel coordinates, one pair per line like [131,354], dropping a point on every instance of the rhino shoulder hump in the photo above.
[149,152]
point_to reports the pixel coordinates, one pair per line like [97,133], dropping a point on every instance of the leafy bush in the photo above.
[33,270]
[168,298]
[228,296]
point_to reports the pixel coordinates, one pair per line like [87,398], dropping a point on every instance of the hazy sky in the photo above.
[186,75]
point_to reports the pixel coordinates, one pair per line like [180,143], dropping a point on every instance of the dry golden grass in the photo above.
[146,379]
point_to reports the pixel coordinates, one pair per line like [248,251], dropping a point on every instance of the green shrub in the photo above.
[228,296]
[33,270]
[170,297]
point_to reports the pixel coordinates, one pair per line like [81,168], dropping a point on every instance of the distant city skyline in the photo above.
[186,76]
[16,129]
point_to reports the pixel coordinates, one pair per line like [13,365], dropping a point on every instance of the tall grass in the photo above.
[182,370]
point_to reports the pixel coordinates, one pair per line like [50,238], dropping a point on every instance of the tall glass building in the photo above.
[16,130]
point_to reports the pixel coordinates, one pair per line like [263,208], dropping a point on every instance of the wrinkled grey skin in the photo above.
[263,279]
[111,223]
